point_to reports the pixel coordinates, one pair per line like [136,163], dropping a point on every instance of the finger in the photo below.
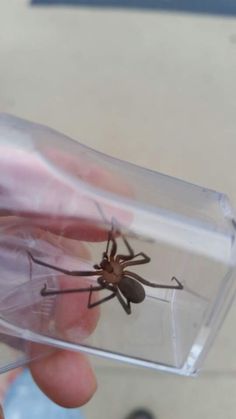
[1,413]
[33,185]
[65,377]
[62,228]
[79,321]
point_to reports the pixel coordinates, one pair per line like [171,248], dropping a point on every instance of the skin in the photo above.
[65,377]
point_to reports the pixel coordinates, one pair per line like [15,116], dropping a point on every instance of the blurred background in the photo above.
[152,82]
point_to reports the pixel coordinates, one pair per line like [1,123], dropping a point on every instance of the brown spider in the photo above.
[113,276]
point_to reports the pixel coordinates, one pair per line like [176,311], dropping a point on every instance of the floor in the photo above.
[154,88]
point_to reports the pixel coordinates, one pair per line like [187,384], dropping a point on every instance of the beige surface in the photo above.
[153,88]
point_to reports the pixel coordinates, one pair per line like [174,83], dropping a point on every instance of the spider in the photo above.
[113,276]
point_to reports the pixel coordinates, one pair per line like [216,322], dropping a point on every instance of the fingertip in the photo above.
[65,377]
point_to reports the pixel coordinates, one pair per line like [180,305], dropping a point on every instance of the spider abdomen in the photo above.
[131,289]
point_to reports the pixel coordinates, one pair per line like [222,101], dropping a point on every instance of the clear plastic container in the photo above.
[59,203]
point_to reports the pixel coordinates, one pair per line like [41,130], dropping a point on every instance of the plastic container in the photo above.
[59,201]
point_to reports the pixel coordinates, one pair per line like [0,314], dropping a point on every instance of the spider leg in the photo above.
[103,300]
[105,285]
[125,305]
[64,271]
[114,245]
[179,286]
[130,250]
[111,238]
[30,265]
[101,212]
[131,254]
[113,248]
[108,244]
[128,260]
[44,292]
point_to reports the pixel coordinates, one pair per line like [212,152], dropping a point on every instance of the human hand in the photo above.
[35,198]
[65,377]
